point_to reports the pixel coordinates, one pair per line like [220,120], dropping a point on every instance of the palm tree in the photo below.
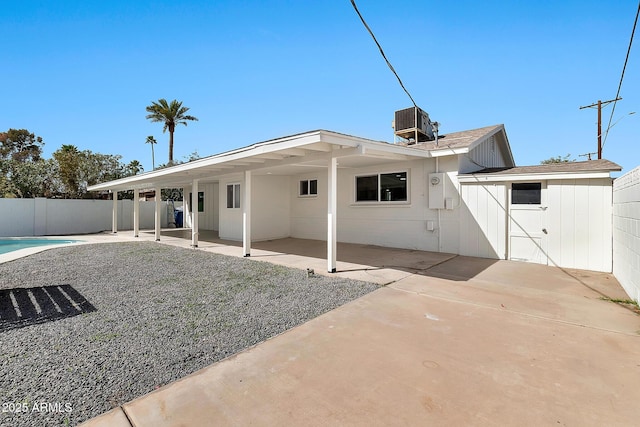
[151,140]
[171,114]
[134,167]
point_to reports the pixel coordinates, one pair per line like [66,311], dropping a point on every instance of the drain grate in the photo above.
[21,307]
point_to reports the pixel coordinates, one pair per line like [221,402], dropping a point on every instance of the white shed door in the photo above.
[527,222]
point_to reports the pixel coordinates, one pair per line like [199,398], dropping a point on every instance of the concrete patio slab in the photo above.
[452,341]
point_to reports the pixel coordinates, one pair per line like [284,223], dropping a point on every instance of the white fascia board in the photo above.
[150,178]
[481,178]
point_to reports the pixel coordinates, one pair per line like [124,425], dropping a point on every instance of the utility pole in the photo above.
[600,104]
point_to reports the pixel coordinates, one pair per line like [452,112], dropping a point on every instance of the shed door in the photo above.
[528,222]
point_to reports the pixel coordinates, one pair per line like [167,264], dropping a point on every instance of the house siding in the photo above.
[487,154]
[483,222]
[579,223]
[270,213]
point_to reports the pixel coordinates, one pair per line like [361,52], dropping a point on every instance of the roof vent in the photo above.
[413,124]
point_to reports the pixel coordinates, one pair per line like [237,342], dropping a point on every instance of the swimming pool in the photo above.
[10,245]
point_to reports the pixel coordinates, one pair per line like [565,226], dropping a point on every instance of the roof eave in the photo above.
[532,176]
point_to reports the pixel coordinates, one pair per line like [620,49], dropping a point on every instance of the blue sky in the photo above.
[82,73]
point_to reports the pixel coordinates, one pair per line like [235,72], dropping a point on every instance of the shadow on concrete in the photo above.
[370,257]
[20,307]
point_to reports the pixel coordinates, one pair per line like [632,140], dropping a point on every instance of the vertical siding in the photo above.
[483,220]
[487,154]
[579,218]
[626,232]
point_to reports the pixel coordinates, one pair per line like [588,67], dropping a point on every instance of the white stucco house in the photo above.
[460,194]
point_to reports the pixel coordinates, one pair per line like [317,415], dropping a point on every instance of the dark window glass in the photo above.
[393,187]
[229,196]
[367,188]
[304,188]
[313,186]
[236,196]
[526,193]
[200,201]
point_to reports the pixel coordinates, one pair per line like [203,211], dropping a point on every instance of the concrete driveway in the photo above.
[457,341]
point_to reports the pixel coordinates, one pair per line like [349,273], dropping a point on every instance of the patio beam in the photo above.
[246,215]
[136,212]
[195,210]
[114,212]
[158,212]
[332,204]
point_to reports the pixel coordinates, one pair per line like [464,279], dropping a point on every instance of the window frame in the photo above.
[308,186]
[379,201]
[236,197]
[539,196]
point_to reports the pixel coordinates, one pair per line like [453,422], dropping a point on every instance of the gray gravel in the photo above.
[161,313]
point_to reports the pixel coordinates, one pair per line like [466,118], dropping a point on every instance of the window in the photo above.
[309,187]
[233,196]
[200,201]
[384,187]
[526,193]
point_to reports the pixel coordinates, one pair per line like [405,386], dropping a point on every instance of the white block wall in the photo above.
[626,232]
[54,217]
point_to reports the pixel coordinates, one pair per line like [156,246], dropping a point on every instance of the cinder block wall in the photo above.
[626,232]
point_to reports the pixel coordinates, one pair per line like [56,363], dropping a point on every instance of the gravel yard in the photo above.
[161,313]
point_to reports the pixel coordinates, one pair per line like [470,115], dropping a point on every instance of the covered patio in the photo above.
[254,178]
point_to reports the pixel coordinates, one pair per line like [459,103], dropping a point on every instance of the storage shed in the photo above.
[556,214]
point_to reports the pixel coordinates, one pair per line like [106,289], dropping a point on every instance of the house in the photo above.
[459,193]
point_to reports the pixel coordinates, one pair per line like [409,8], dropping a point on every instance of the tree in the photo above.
[171,114]
[151,140]
[23,171]
[20,145]
[68,159]
[557,159]
[133,168]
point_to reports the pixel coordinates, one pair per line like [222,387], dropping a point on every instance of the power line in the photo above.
[622,75]
[353,3]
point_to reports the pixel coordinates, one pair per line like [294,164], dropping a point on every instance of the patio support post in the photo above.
[158,199]
[195,210]
[246,215]
[114,213]
[332,211]
[186,207]
[136,212]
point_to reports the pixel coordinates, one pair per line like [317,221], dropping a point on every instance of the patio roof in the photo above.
[283,156]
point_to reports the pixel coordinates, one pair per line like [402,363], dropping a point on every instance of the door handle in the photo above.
[544,230]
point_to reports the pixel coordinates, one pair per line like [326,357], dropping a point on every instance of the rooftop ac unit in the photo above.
[414,125]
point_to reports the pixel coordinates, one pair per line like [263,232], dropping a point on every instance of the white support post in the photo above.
[246,215]
[194,220]
[136,212]
[158,220]
[332,211]
[186,207]
[114,213]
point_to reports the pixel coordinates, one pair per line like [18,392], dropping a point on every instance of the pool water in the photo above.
[10,245]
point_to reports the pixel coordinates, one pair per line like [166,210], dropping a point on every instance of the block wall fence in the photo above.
[58,217]
[626,232]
